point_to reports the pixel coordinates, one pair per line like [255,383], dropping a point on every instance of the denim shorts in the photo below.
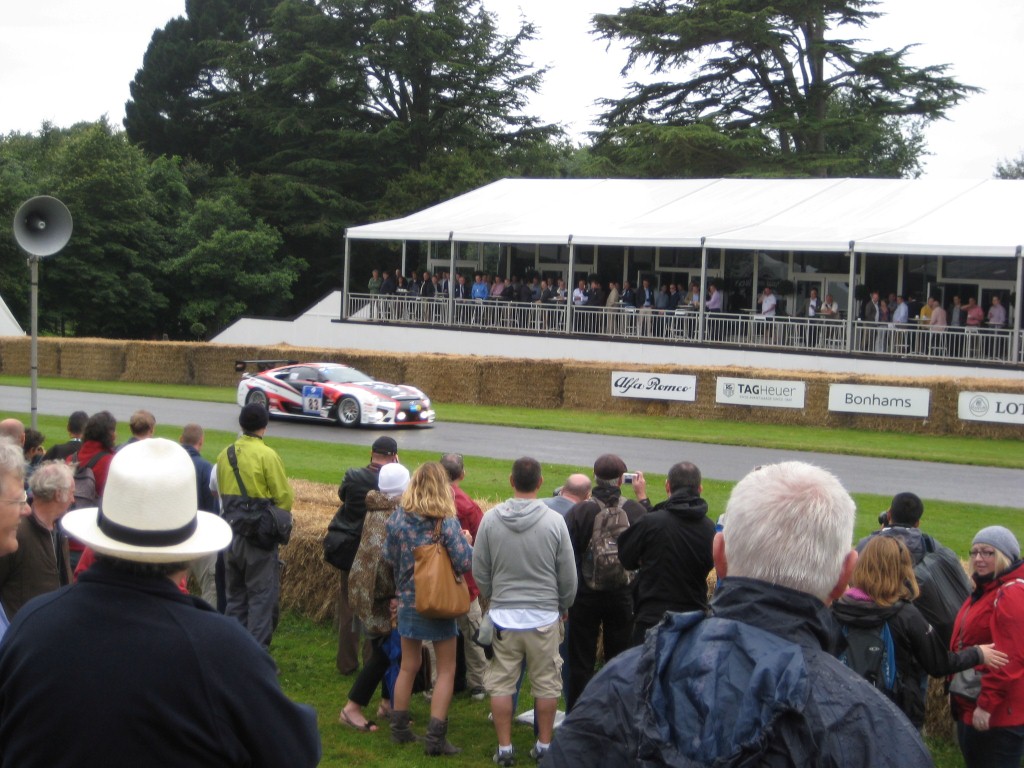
[416,627]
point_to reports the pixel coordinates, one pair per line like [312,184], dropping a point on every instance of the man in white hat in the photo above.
[122,668]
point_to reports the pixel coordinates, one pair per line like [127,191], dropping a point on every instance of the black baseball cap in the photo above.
[385,446]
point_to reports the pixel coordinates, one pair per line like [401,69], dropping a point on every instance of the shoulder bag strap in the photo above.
[234,467]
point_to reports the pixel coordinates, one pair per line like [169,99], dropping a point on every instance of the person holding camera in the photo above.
[671,549]
[600,611]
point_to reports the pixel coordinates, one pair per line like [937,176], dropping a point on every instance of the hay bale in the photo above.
[445,378]
[158,362]
[17,356]
[533,383]
[94,359]
[309,586]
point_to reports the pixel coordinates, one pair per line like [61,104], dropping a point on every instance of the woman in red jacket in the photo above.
[990,727]
[96,451]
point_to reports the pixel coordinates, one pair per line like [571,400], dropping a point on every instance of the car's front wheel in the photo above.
[258,397]
[348,412]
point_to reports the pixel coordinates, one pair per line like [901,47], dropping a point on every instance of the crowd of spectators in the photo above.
[670,638]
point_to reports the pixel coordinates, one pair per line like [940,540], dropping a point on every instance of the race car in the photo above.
[332,392]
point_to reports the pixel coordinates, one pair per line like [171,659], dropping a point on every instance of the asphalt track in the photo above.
[979,485]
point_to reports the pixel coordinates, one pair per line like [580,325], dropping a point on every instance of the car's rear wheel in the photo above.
[347,412]
[258,397]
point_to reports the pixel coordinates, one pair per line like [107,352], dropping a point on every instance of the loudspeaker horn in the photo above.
[42,225]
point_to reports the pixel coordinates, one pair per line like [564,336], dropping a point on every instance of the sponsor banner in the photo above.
[998,407]
[885,401]
[654,386]
[768,393]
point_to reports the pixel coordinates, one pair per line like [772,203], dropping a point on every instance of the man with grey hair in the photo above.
[42,562]
[753,682]
[13,503]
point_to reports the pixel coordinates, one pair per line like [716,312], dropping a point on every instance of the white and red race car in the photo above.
[332,392]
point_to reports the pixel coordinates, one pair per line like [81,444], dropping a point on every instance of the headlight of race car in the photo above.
[426,402]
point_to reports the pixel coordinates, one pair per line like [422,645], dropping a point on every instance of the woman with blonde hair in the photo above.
[882,590]
[427,511]
[990,720]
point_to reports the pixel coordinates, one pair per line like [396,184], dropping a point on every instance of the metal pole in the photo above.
[850,299]
[33,262]
[344,277]
[569,287]
[1015,339]
[451,278]
[703,289]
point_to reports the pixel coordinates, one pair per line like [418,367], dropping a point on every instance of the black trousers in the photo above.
[597,614]
[372,674]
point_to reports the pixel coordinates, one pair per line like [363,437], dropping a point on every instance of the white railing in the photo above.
[684,326]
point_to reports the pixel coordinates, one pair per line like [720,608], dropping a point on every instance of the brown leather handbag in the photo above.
[440,592]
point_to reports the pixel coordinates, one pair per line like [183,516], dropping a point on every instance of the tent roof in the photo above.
[966,217]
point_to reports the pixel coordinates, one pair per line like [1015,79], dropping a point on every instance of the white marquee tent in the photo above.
[962,217]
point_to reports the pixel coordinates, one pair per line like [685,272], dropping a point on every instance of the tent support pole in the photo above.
[1015,351]
[346,262]
[452,280]
[405,244]
[569,284]
[851,299]
[703,289]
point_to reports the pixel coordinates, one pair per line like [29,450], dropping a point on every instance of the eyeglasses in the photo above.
[984,553]
[20,502]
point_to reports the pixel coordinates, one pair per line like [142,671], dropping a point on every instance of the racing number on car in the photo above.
[312,399]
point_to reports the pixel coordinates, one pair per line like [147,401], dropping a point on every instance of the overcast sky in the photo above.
[72,60]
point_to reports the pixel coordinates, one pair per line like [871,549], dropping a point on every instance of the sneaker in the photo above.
[477,694]
[538,754]
[506,758]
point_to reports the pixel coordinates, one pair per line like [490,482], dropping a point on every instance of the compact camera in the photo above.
[628,477]
[883,518]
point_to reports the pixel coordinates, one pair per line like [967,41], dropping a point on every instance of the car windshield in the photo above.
[343,375]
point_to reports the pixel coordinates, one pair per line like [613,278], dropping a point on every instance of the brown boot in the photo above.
[401,733]
[436,742]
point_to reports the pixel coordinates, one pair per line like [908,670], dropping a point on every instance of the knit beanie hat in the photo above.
[1001,538]
[393,479]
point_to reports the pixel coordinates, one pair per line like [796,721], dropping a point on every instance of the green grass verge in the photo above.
[305,651]
[952,449]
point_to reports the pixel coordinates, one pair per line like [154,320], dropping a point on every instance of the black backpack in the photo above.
[944,587]
[870,653]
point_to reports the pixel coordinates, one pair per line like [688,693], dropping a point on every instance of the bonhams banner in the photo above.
[884,401]
[654,386]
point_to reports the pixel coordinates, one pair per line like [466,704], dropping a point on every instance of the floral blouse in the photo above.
[405,532]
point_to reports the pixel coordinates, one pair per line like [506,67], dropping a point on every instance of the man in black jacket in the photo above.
[671,547]
[754,683]
[342,542]
[608,613]
[122,669]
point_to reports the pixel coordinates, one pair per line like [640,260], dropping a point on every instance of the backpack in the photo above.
[601,567]
[86,494]
[944,587]
[871,654]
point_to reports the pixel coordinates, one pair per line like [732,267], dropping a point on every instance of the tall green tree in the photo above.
[776,67]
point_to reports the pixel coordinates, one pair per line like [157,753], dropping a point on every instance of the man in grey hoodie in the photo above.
[523,563]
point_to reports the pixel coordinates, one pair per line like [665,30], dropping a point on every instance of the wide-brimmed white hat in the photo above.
[149,511]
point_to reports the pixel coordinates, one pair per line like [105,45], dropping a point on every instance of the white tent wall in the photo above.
[9,326]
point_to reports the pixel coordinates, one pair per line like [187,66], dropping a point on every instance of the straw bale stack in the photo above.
[531,383]
[445,378]
[309,586]
[158,362]
[95,359]
[16,356]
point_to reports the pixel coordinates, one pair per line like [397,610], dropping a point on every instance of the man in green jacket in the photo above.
[252,574]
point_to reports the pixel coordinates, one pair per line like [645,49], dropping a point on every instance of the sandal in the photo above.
[368,727]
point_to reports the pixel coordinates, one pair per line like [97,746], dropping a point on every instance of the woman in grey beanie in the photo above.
[990,720]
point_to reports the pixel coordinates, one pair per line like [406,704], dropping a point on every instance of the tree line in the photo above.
[258,130]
